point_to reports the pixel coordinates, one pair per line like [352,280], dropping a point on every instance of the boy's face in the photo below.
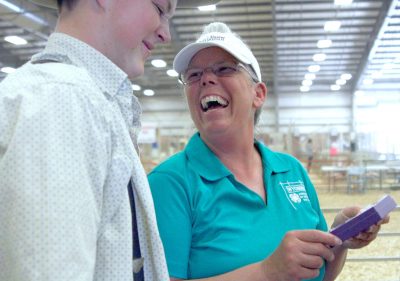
[133,28]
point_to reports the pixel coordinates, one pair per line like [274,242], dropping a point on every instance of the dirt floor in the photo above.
[385,246]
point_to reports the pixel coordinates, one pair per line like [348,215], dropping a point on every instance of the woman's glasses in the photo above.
[225,69]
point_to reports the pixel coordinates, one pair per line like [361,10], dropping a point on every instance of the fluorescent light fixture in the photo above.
[16,40]
[368,81]
[7,69]
[319,57]
[346,76]
[172,73]
[304,88]
[335,87]
[309,76]
[136,87]
[148,92]
[324,43]
[333,25]
[359,93]
[388,66]
[158,63]
[17,9]
[314,68]
[341,82]
[377,74]
[306,83]
[343,2]
[207,8]
[36,18]
[11,6]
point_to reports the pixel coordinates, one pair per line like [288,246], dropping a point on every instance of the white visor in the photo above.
[227,41]
[181,3]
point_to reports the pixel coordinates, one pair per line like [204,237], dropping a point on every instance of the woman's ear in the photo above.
[261,94]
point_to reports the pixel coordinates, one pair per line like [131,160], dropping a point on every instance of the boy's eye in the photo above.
[160,11]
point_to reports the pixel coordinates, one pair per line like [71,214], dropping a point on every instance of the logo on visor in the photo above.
[213,38]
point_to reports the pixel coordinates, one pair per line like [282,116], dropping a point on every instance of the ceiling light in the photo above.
[136,87]
[207,8]
[388,66]
[172,73]
[341,82]
[158,63]
[343,2]
[7,69]
[359,93]
[306,82]
[377,74]
[319,57]
[16,40]
[304,89]
[346,76]
[11,6]
[333,25]
[309,76]
[21,11]
[335,87]
[368,81]
[148,92]
[314,68]
[324,43]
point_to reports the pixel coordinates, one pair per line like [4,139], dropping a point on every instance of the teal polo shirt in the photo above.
[211,224]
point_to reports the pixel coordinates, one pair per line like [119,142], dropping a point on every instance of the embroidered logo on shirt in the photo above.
[295,192]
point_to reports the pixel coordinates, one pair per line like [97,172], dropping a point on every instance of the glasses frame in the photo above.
[213,68]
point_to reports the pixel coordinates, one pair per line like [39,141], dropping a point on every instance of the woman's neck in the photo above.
[241,157]
[236,151]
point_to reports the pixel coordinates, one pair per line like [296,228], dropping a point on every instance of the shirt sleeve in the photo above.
[53,163]
[171,200]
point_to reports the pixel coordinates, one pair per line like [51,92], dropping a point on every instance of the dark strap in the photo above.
[135,236]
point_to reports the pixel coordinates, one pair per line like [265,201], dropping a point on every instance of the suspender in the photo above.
[139,276]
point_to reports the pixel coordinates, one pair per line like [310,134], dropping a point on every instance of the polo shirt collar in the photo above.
[271,160]
[211,168]
[204,160]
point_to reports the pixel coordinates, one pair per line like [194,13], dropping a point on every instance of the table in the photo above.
[380,169]
[331,170]
[395,170]
[357,171]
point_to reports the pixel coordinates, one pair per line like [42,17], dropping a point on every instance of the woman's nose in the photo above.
[208,77]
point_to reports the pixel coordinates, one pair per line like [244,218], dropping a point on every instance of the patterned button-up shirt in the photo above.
[67,120]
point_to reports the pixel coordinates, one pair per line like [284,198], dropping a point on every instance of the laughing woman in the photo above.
[229,208]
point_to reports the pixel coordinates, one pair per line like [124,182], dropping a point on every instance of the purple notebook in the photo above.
[365,219]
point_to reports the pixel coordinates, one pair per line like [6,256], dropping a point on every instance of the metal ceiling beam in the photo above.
[379,28]
[7,58]
[275,70]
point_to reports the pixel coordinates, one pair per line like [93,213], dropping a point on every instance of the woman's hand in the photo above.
[300,255]
[365,237]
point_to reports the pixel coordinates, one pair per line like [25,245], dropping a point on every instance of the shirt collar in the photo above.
[204,160]
[211,168]
[64,48]
[271,160]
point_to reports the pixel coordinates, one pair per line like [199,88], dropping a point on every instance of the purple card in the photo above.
[365,219]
